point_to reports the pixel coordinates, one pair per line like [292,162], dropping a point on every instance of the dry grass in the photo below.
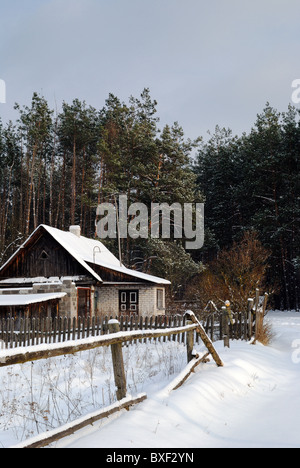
[265,333]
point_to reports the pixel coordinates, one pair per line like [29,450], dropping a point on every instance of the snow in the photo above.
[253,401]
[27,299]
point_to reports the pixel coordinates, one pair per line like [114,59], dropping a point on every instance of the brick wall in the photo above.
[107,302]
[104,300]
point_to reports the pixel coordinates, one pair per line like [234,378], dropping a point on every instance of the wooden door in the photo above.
[129,302]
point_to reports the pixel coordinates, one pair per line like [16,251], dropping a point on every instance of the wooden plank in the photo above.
[250,308]
[22,334]
[26,334]
[55,326]
[141,327]
[190,342]
[98,326]
[146,327]
[195,362]
[227,329]
[69,429]
[212,326]
[73,328]
[205,339]
[33,332]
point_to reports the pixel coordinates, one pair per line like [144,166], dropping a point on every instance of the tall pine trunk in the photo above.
[73,184]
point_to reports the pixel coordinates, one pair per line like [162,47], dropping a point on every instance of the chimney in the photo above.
[75,230]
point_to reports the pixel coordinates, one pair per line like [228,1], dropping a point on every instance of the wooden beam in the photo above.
[57,434]
[205,338]
[195,362]
[118,362]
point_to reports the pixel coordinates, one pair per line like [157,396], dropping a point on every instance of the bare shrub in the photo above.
[234,275]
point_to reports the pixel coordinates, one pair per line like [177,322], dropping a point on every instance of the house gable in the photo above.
[42,256]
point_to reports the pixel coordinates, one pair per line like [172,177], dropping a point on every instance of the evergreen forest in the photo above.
[57,167]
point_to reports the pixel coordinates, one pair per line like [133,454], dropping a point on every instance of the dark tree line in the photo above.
[252,183]
[55,168]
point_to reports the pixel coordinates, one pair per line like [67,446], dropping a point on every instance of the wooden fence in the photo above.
[115,339]
[114,333]
[30,332]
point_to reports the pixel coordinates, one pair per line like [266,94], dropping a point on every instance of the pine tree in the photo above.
[34,129]
[77,133]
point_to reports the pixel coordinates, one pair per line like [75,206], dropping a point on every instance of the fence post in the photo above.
[250,318]
[260,315]
[256,300]
[190,342]
[265,303]
[118,363]
[229,312]
[225,319]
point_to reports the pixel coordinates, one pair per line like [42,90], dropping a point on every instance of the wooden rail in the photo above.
[55,435]
[38,352]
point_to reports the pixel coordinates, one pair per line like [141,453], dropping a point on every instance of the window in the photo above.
[44,255]
[160,299]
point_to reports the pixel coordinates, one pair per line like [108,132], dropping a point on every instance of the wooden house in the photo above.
[63,273]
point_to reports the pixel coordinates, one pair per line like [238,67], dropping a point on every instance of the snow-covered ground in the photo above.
[253,401]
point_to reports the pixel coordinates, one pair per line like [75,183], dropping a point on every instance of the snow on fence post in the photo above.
[229,312]
[118,363]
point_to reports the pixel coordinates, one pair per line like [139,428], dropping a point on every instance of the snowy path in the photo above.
[254,401]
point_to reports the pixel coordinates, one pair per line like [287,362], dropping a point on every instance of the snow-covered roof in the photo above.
[10,300]
[92,252]
[136,274]
[52,280]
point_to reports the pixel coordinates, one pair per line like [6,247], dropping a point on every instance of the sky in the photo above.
[206,62]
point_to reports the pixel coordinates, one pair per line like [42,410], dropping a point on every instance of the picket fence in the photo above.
[34,331]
